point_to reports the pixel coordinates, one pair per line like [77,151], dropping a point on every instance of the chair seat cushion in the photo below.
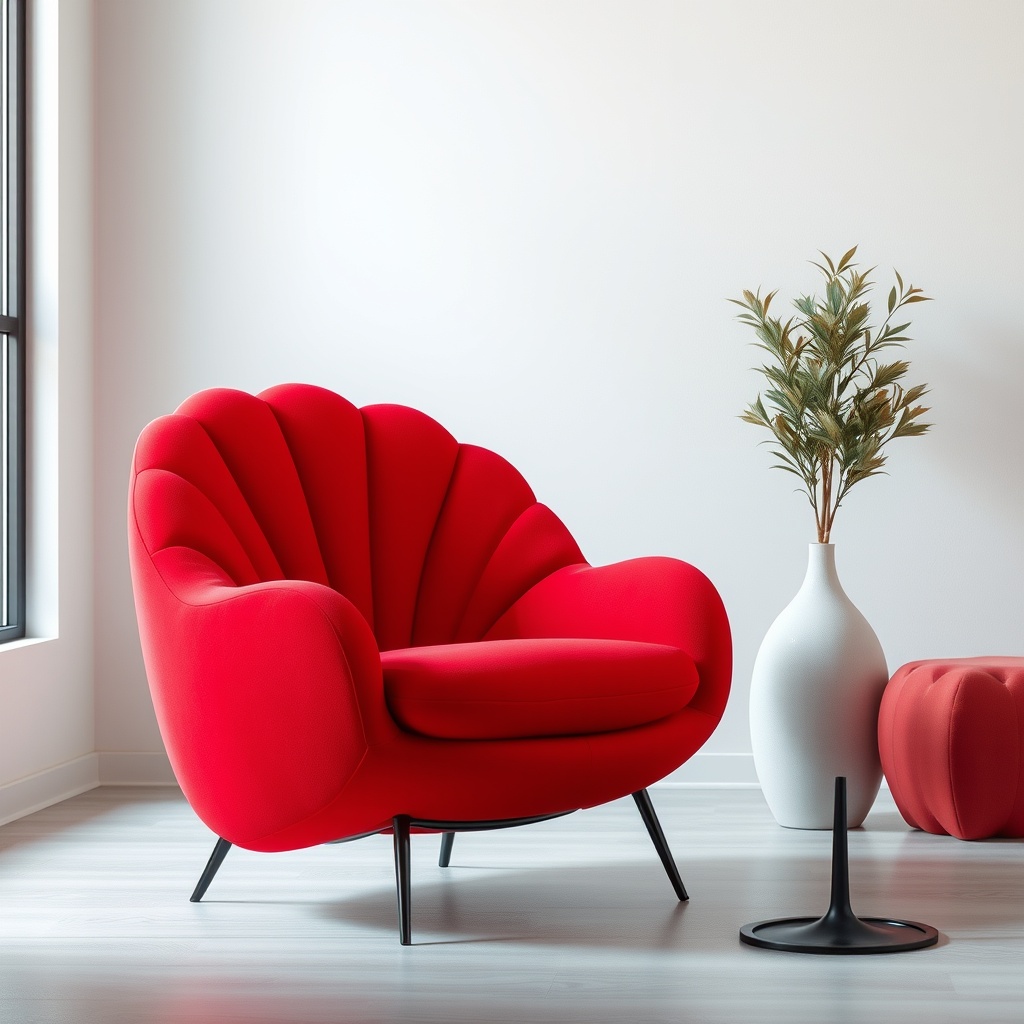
[505,689]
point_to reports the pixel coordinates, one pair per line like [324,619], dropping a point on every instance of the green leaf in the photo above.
[915,393]
[787,469]
[889,373]
[846,259]
[831,404]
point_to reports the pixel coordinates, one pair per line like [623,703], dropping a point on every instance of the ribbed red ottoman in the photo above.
[951,738]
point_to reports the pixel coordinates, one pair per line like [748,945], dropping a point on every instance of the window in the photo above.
[12,319]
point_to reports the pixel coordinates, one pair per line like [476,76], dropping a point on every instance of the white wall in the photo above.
[47,738]
[525,218]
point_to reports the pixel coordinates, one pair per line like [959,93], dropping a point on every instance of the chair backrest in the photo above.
[432,540]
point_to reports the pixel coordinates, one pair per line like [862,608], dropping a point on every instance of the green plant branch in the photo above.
[832,406]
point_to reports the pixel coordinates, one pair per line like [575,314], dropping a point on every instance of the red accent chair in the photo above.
[951,738]
[352,623]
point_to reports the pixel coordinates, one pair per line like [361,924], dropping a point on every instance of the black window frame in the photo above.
[13,88]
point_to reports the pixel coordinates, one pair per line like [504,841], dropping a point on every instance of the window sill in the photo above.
[27,641]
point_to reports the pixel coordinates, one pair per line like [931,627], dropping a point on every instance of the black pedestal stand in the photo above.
[840,930]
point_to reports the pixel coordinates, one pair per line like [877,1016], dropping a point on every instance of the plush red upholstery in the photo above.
[346,615]
[504,689]
[951,738]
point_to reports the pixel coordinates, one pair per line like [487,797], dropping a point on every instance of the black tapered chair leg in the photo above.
[402,878]
[220,851]
[445,856]
[646,808]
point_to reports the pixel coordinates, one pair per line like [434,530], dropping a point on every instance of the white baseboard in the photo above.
[135,768]
[34,792]
[720,771]
[714,771]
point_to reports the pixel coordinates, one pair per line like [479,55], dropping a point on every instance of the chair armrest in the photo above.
[268,695]
[655,600]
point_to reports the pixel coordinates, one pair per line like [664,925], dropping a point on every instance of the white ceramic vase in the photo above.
[814,697]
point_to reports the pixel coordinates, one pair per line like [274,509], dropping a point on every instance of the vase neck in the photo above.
[821,567]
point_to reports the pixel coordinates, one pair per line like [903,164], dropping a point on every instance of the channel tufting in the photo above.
[334,482]
[430,539]
[246,433]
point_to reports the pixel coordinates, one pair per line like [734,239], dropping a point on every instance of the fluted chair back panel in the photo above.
[410,461]
[327,444]
[186,498]
[247,436]
[430,539]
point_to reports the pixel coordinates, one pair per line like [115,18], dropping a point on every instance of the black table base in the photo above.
[839,930]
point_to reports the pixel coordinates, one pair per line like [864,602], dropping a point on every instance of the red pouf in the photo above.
[951,738]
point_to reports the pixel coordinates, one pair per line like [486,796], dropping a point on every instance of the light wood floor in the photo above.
[569,920]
